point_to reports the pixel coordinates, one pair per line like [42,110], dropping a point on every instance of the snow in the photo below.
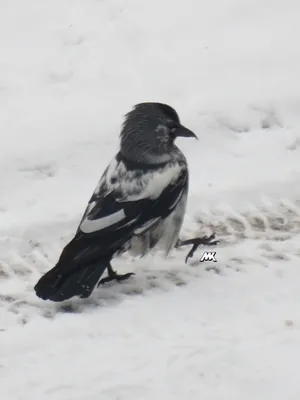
[69,71]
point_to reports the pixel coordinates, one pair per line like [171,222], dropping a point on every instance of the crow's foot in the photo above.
[196,242]
[113,276]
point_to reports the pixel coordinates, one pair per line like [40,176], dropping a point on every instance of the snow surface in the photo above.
[69,71]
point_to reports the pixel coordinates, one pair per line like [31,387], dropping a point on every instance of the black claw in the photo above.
[113,276]
[116,277]
[125,276]
[196,242]
[191,253]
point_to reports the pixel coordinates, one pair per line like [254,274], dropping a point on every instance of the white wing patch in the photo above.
[148,185]
[89,226]
[152,183]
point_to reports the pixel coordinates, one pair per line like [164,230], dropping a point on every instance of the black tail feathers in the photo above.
[58,285]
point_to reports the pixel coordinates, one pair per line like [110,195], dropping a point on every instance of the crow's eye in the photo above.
[173,127]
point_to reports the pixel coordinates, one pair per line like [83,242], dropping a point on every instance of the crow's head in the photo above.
[149,132]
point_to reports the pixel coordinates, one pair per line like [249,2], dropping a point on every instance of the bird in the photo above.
[138,204]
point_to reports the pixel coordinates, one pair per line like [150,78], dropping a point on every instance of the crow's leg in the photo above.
[205,240]
[113,276]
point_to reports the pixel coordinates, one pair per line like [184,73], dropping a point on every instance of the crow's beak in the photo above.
[182,131]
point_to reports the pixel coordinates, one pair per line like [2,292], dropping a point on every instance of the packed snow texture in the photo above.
[69,71]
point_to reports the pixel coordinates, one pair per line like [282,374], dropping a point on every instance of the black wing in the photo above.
[127,202]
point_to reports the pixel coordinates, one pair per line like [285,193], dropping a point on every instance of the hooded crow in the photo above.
[138,204]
